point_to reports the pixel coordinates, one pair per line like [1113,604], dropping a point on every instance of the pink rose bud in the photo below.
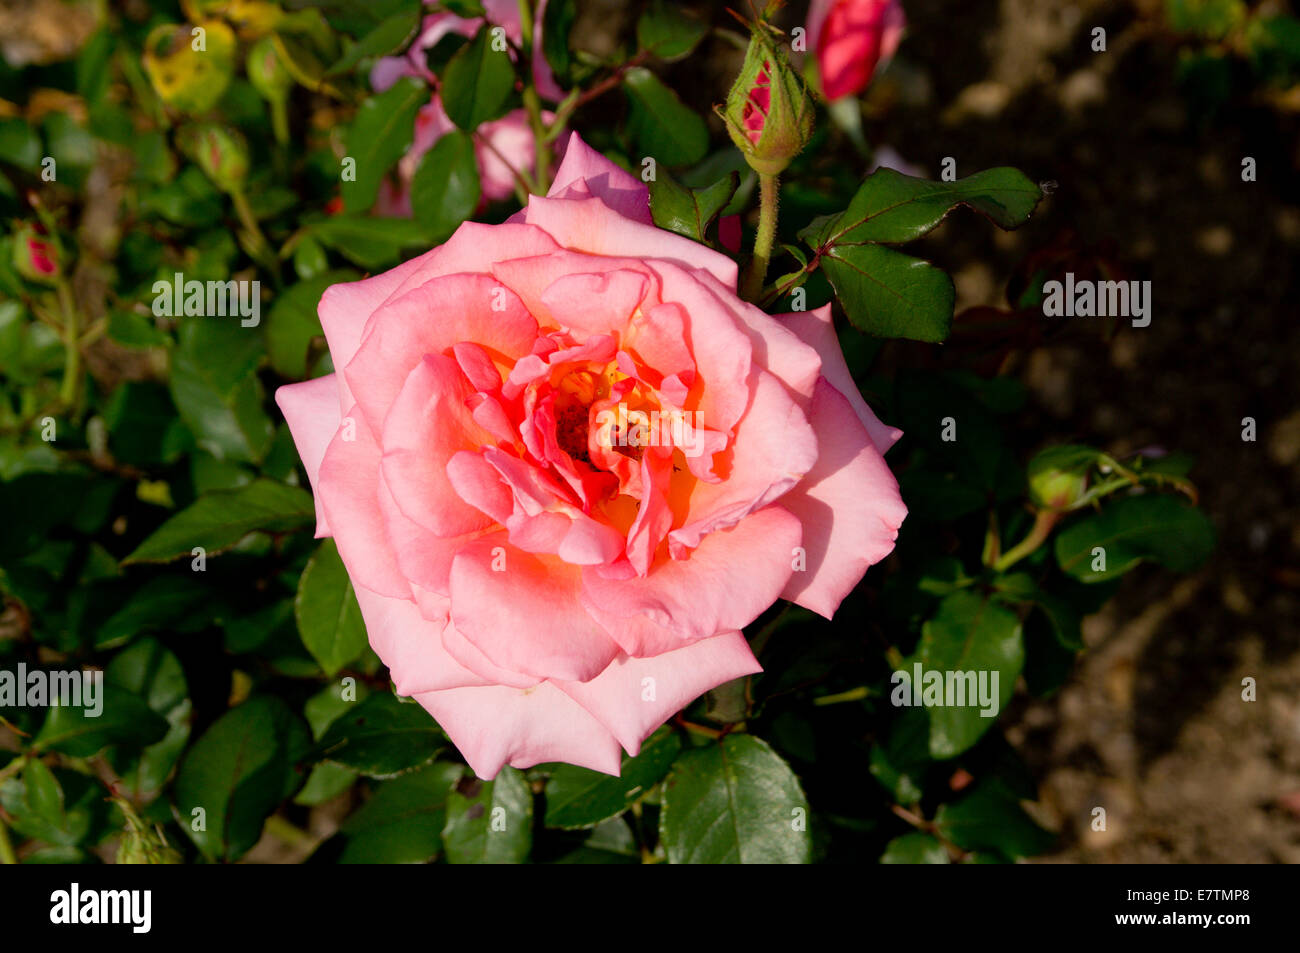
[768,112]
[220,152]
[36,257]
[851,39]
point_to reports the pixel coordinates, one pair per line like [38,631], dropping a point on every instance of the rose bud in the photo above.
[1058,477]
[850,40]
[36,256]
[768,112]
[220,152]
[267,72]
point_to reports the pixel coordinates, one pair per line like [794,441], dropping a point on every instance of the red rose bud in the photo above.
[220,152]
[768,113]
[850,40]
[267,72]
[36,256]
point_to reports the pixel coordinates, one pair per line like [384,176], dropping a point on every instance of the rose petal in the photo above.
[311,409]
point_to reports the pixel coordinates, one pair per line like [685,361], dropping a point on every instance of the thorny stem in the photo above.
[768,189]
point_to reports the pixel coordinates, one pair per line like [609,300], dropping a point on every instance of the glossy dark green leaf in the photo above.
[686,211]
[889,294]
[891,207]
[382,131]
[1062,617]
[445,190]
[220,520]
[991,818]
[391,34]
[557,25]
[382,737]
[166,602]
[329,619]
[914,848]
[370,242]
[1160,528]
[489,822]
[403,820]
[148,669]
[237,773]
[970,632]
[123,719]
[215,389]
[293,323]
[579,797]
[478,82]
[668,31]
[732,802]
[662,125]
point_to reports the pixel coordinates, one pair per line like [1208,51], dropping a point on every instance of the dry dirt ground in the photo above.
[1152,725]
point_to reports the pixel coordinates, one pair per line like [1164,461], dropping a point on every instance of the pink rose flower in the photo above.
[851,40]
[505,145]
[549,573]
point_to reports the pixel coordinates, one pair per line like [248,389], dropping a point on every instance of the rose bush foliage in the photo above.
[368,572]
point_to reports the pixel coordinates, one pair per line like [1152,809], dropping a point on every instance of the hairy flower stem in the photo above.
[751,288]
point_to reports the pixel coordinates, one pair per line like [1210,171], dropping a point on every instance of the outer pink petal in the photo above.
[727,581]
[345,308]
[431,319]
[527,618]
[588,224]
[634,696]
[348,490]
[311,409]
[410,645]
[849,506]
[817,329]
[585,172]
[496,725]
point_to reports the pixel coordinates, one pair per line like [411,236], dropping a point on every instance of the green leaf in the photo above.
[734,802]
[20,145]
[215,390]
[392,34]
[1161,528]
[293,324]
[150,671]
[220,520]
[969,633]
[369,242]
[123,719]
[402,822]
[662,125]
[889,294]
[914,848]
[237,773]
[1060,615]
[892,208]
[477,83]
[991,818]
[686,211]
[329,619]
[382,131]
[557,25]
[489,822]
[445,190]
[579,797]
[668,31]
[161,603]
[382,737]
